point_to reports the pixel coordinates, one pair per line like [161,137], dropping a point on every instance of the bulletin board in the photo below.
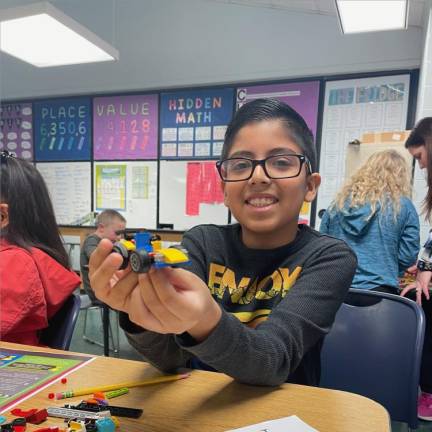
[128,187]
[69,185]
[190,194]
[125,127]
[301,96]
[352,108]
[193,122]
[16,129]
[62,129]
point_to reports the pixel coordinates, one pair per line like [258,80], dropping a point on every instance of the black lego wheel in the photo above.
[140,261]
[121,249]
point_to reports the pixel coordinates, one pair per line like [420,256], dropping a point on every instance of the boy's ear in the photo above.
[313,182]
[222,184]
[4,215]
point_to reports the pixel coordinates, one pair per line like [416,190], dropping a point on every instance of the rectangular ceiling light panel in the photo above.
[358,16]
[42,35]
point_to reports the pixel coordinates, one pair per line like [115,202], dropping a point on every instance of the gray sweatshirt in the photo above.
[276,306]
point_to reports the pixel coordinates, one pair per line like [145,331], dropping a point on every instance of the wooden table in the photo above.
[213,402]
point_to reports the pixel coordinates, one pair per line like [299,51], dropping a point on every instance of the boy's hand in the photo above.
[176,301]
[164,301]
[112,286]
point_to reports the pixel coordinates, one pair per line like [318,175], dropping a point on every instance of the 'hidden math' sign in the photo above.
[62,129]
[193,123]
[125,127]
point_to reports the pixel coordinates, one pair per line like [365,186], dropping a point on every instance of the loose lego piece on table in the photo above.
[2,419]
[21,413]
[105,425]
[63,380]
[116,393]
[38,417]
[68,413]
[114,410]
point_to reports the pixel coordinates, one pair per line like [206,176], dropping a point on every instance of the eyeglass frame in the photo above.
[261,162]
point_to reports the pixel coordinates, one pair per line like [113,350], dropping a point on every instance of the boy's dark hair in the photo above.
[108,216]
[421,135]
[31,215]
[272,109]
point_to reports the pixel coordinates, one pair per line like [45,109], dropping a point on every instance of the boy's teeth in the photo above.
[261,202]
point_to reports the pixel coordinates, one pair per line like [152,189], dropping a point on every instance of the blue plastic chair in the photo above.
[60,328]
[374,349]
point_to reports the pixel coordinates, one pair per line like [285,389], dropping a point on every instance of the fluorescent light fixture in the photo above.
[42,35]
[358,16]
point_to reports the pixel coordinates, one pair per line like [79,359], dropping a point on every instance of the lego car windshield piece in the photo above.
[143,251]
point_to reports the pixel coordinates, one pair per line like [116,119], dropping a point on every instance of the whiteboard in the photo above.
[173,192]
[69,185]
[352,108]
[128,187]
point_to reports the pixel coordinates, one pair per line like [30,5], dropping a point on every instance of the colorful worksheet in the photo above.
[24,373]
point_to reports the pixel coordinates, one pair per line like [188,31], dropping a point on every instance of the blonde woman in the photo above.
[374,215]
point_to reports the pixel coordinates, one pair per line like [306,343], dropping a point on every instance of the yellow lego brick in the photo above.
[174,256]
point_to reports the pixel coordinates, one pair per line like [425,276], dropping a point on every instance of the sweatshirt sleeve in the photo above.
[161,350]
[268,354]
[409,242]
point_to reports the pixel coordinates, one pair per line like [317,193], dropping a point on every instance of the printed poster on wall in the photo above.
[193,123]
[125,127]
[111,187]
[16,129]
[352,108]
[62,129]
[302,96]
[69,185]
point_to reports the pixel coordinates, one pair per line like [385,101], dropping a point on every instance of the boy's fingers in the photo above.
[100,275]
[103,249]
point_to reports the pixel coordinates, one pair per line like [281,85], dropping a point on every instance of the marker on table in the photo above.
[110,387]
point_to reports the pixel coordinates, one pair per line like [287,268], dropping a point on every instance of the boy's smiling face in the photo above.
[268,209]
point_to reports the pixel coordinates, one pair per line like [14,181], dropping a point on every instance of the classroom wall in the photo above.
[172,43]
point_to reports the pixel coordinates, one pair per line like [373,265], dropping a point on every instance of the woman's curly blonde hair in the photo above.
[381,181]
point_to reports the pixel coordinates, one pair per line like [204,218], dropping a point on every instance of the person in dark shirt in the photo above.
[108,223]
[260,294]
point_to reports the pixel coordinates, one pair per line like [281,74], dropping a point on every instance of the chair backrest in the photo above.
[374,349]
[60,328]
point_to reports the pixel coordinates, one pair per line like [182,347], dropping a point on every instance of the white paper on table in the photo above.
[285,424]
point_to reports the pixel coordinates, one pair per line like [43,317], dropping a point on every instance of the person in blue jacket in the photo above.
[375,216]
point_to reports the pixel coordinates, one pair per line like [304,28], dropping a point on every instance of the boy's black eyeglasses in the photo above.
[275,167]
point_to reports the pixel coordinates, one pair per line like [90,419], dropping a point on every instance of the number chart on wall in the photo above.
[130,188]
[62,129]
[69,184]
[16,129]
[352,108]
[193,123]
[190,194]
[125,127]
